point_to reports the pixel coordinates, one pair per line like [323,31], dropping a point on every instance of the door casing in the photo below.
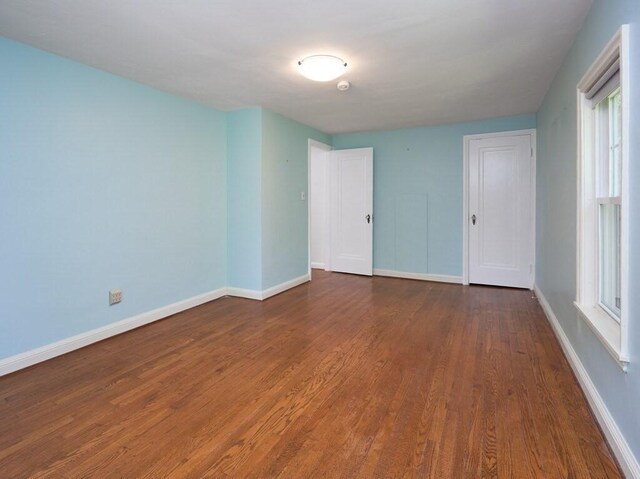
[314,144]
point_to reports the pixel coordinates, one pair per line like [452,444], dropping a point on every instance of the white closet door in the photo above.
[500,211]
[351,212]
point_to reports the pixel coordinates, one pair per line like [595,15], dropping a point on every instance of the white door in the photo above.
[351,211]
[500,214]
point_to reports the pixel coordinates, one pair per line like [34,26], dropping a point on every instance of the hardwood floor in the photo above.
[343,377]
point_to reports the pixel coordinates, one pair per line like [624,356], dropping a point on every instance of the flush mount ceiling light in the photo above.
[321,67]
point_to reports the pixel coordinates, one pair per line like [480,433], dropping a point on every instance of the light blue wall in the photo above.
[244,145]
[284,215]
[556,242]
[417,192]
[104,183]
[267,171]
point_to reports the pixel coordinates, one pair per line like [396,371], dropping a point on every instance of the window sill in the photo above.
[606,329]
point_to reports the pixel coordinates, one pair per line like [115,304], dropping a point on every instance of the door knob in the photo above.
[473,219]
[368,218]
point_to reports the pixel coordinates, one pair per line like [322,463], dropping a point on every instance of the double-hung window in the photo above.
[603,112]
[608,197]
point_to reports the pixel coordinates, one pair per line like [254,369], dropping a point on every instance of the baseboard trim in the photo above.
[317,265]
[244,293]
[267,293]
[282,287]
[35,356]
[619,446]
[49,351]
[440,278]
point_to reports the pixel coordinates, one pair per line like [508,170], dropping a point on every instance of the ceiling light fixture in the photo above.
[322,67]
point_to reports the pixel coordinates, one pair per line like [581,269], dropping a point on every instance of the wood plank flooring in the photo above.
[344,377]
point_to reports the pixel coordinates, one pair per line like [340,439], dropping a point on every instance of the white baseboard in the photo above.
[317,265]
[620,447]
[29,358]
[244,293]
[279,288]
[267,293]
[440,278]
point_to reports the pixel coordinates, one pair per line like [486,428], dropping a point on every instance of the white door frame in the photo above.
[321,146]
[465,192]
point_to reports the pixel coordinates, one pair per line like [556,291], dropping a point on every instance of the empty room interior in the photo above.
[326,239]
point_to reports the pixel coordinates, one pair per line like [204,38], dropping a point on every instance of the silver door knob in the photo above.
[473,219]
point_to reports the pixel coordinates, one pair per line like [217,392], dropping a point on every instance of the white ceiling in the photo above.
[411,62]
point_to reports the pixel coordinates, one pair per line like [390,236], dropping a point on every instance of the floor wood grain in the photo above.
[344,377]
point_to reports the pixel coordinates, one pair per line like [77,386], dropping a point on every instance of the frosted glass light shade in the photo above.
[321,67]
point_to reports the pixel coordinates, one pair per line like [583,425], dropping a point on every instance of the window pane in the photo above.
[603,150]
[615,142]
[610,271]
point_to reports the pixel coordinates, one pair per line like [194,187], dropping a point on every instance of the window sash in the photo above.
[609,200]
[608,141]
[609,266]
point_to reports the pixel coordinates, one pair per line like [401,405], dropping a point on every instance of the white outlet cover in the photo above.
[115,296]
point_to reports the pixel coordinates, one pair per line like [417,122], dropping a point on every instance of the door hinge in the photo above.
[531,152]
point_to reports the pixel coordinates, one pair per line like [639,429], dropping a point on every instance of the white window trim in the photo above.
[612,334]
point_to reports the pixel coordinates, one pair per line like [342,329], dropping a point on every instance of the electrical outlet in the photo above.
[115,296]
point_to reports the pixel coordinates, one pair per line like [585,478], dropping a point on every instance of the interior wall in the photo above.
[556,209]
[318,205]
[244,153]
[104,183]
[417,192]
[285,173]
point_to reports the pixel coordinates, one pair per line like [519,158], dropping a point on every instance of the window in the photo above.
[602,196]
[608,178]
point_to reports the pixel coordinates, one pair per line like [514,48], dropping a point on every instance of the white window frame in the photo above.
[613,334]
